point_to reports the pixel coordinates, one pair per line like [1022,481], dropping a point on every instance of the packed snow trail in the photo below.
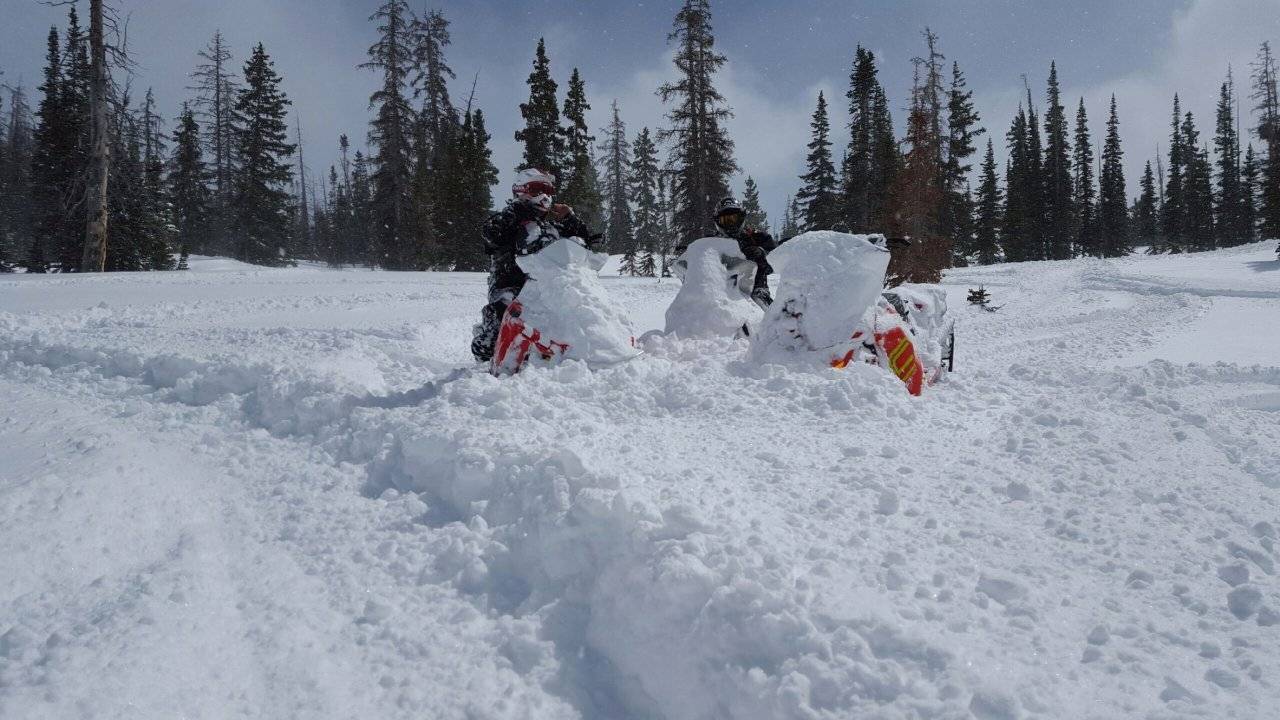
[267,493]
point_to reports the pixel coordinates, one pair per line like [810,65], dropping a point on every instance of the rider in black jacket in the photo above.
[755,245]
[529,217]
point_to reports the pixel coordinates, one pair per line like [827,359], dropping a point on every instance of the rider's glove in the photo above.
[754,253]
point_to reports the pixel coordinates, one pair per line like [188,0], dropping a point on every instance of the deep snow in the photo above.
[269,493]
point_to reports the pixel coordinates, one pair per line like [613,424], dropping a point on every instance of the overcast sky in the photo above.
[780,54]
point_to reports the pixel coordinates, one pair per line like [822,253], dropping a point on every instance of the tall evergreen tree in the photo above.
[467,199]
[818,196]
[187,190]
[1059,210]
[391,134]
[263,222]
[1267,106]
[701,151]
[962,131]
[1249,182]
[1021,225]
[756,215]
[438,119]
[216,88]
[616,149]
[644,187]
[434,136]
[1229,200]
[1036,184]
[580,189]
[790,220]
[1197,189]
[1147,214]
[1113,215]
[1086,237]
[1173,216]
[15,178]
[872,154]
[985,248]
[544,141]
[51,176]
[919,191]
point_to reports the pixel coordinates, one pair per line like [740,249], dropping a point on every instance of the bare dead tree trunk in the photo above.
[95,237]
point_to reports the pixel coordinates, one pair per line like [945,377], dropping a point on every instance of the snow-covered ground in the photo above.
[254,493]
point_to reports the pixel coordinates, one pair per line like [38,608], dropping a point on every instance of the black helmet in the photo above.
[730,216]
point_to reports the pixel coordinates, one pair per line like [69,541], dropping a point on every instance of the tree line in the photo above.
[230,177]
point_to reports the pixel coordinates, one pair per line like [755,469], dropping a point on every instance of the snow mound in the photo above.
[829,282]
[713,300]
[565,301]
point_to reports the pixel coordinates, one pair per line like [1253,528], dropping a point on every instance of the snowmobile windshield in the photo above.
[730,222]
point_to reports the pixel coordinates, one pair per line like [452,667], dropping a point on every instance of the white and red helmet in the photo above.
[535,186]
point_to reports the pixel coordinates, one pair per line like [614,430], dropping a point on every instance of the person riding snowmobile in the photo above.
[755,245]
[530,217]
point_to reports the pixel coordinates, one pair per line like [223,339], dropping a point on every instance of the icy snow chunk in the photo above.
[1001,590]
[1099,635]
[987,705]
[888,503]
[1222,678]
[1244,601]
[1234,575]
[714,298]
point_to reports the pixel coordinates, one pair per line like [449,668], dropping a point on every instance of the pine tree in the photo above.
[1173,219]
[15,178]
[391,133]
[1037,185]
[544,142]
[1267,107]
[580,189]
[790,220]
[1147,214]
[619,231]
[437,118]
[187,191]
[1087,239]
[51,176]
[918,194]
[263,222]
[434,136]
[644,188]
[1020,226]
[872,154]
[75,90]
[216,89]
[1197,190]
[701,151]
[1113,215]
[361,243]
[467,199]
[962,130]
[1249,182]
[1059,210]
[628,266]
[665,226]
[648,266]
[1229,202]
[756,216]
[986,243]
[818,196]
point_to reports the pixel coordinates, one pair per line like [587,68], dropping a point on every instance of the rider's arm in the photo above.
[571,226]
[503,233]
